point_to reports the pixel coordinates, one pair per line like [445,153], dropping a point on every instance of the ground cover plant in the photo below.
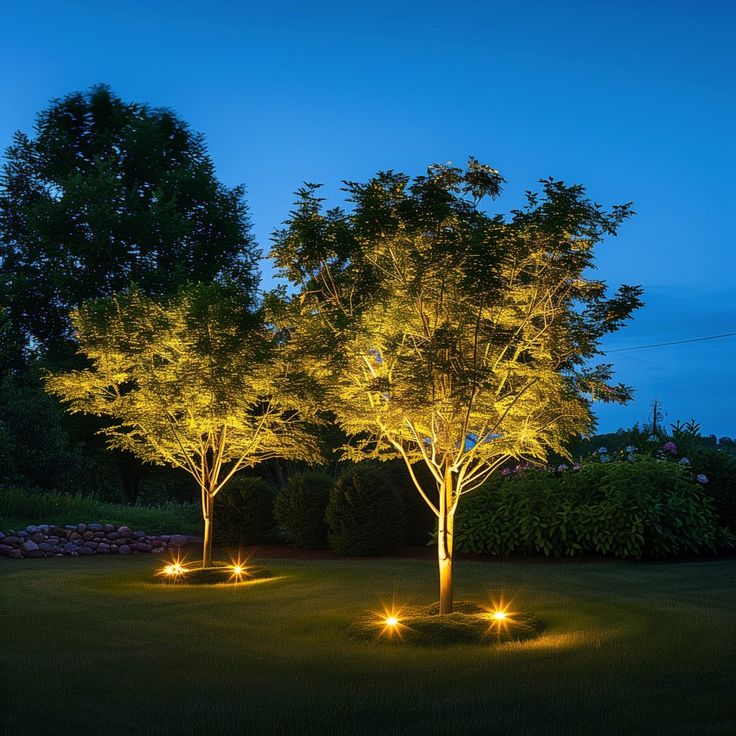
[642,649]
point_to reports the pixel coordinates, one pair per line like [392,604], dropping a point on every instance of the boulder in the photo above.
[29,546]
[124,531]
[124,549]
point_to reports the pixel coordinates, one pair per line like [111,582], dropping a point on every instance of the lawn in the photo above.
[88,646]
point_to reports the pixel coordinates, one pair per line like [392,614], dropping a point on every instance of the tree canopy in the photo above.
[196,381]
[104,194]
[450,336]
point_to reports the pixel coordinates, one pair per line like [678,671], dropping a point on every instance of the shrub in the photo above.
[300,508]
[365,514]
[630,510]
[421,523]
[244,511]
[719,467]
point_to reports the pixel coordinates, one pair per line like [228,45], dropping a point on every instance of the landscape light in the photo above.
[175,568]
[238,568]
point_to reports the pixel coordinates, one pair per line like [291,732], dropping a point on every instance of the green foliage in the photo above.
[421,522]
[34,449]
[630,510]
[365,514]
[20,507]
[244,511]
[106,193]
[300,509]
[719,467]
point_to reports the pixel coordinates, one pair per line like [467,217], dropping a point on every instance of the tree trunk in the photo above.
[445,529]
[208,503]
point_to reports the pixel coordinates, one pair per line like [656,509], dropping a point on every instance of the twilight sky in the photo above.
[635,100]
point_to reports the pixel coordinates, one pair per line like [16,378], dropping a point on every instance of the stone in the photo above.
[99,535]
[48,547]
[38,537]
[124,531]
[141,547]
[90,545]
[108,528]
[103,547]
[70,547]
[95,527]
[112,535]
[124,549]
[114,549]
[57,531]
[138,535]
[5,548]
[29,546]
[87,536]
[12,539]
[75,536]
[2,536]
[15,553]
[81,528]
[85,551]
[23,535]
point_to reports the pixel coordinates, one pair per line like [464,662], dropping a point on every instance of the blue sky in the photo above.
[635,100]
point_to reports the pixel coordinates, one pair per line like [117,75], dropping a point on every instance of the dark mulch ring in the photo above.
[218,573]
[468,624]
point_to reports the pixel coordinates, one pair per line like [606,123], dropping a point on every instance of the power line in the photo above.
[675,342]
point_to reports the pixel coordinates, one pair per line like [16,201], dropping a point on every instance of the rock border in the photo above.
[74,540]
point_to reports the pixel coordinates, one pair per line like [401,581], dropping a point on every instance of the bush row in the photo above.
[367,510]
[648,509]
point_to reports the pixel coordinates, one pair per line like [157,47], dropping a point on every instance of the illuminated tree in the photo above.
[196,382]
[450,336]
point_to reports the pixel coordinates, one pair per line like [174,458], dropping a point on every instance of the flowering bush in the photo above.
[630,510]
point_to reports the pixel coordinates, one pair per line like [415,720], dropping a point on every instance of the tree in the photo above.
[195,382]
[450,336]
[107,193]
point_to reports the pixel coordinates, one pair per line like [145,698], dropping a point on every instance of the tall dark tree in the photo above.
[106,193]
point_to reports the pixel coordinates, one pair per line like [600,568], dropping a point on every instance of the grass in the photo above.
[20,507]
[627,649]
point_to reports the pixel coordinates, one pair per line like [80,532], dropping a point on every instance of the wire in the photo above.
[675,342]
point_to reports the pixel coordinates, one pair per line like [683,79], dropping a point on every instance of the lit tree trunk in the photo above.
[446,525]
[207,507]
